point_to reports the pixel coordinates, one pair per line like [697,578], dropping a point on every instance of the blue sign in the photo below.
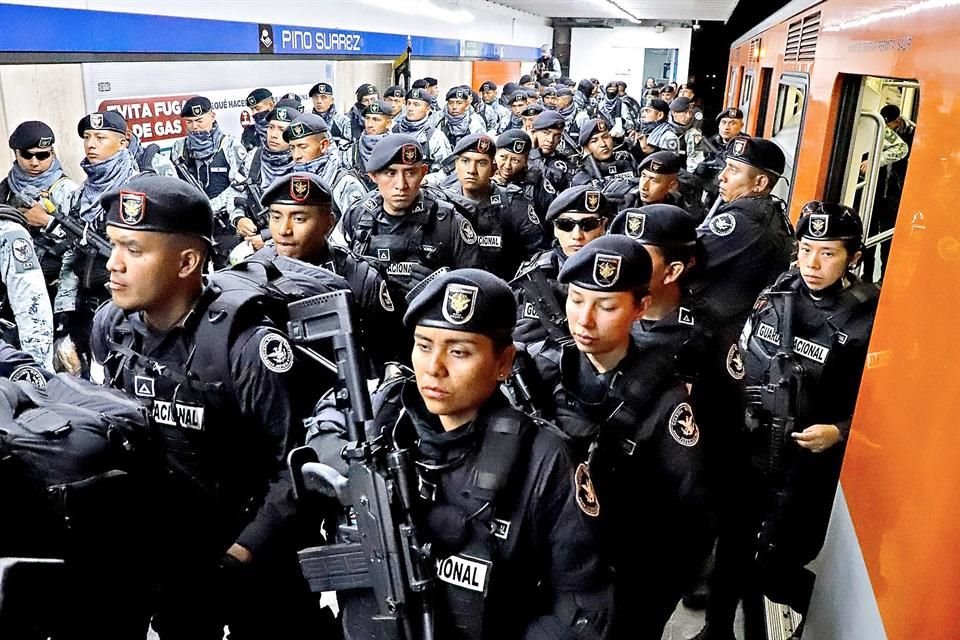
[98,32]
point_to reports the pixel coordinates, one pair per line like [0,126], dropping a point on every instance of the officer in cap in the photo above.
[310,146]
[551,582]
[397,97]
[37,186]
[508,232]
[775,519]
[416,122]
[529,114]
[631,425]
[214,384]
[409,233]
[267,163]
[366,94]
[554,168]
[459,120]
[614,112]
[513,153]
[260,102]
[710,158]
[573,117]
[655,132]
[212,161]
[377,121]
[612,171]
[323,105]
[495,115]
[577,216]
[685,123]
[108,165]
[517,102]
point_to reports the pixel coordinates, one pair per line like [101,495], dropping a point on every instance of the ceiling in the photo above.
[682,10]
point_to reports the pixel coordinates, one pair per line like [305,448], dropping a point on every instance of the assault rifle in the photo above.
[83,234]
[540,294]
[379,546]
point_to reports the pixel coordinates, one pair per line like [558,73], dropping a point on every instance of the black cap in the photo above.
[526,79]
[30,134]
[608,263]
[395,148]
[591,128]
[258,95]
[510,88]
[583,199]
[488,85]
[733,113]
[419,93]
[680,104]
[396,91]
[518,96]
[548,91]
[531,94]
[420,84]
[476,143]
[563,92]
[458,93]
[102,121]
[548,120]
[321,89]
[365,90]
[890,113]
[658,104]
[293,97]
[468,300]
[195,106]
[301,187]
[515,141]
[666,163]
[828,221]
[532,110]
[305,125]
[148,202]
[431,82]
[378,108]
[757,152]
[284,111]
[662,225]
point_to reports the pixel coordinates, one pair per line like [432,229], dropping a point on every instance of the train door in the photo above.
[746,96]
[792,91]
[732,86]
[870,159]
[763,94]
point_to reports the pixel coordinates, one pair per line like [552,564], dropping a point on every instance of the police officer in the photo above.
[416,122]
[778,521]
[529,114]
[709,158]
[377,122]
[459,120]
[407,232]
[554,168]
[612,171]
[310,146]
[583,99]
[573,117]
[517,102]
[660,183]
[396,96]
[513,154]
[578,216]
[500,492]
[367,94]
[321,94]
[212,161]
[633,435]
[268,162]
[38,185]
[655,131]
[495,115]
[614,112]
[219,402]
[547,68]
[685,122]
[508,231]
[260,102]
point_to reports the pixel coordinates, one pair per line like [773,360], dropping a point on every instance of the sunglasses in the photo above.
[39,155]
[585,224]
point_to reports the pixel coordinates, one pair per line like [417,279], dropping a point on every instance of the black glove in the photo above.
[406,284]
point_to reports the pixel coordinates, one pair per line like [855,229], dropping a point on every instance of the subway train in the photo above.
[814,77]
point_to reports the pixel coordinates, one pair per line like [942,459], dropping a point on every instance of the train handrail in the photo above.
[869,194]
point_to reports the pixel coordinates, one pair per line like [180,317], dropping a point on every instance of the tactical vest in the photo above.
[214,174]
[89,266]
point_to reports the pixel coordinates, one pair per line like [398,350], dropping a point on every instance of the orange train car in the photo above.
[814,77]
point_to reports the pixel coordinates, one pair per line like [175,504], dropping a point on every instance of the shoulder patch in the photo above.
[385,300]
[673,144]
[685,316]
[548,187]
[495,199]
[723,224]
[683,427]
[30,374]
[586,493]
[276,353]
[735,363]
[467,233]
[532,214]
[370,204]
[22,251]
[560,164]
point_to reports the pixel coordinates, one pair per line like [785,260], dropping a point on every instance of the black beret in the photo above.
[458,93]
[567,82]
[583,199]
[828,221]
[757,152]
[258,95]
[195,106]
[548,120]
[148,202]
[396,91]
[732,113]
[532,110]
[564,92]
[526,79]
[665,163]
[658,104]
[591,128]
[531,94]
[395,148]
[418,93]
[488,85]
[549,91]
[284,111]
[301,187]
[420,84]
[468,300]
[510,88]
[477,143]
[431,82]
[102,121]
[890,113]
[515,141]
[305,125]
[608,263]
[378,108]
[293,97]
[518,96]
[662,225]
[30,134]
[585,86]
[365,90]
[321,89]
[680,104]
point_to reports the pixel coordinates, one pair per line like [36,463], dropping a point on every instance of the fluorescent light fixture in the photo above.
[423,8]
[615,10]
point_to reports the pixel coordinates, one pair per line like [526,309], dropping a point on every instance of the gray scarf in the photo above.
[202,145]
[458,126]
[102,177]
[30,187]
[274,164]
[365,148]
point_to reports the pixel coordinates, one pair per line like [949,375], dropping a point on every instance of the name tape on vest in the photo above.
[180,415]
[810,350]
[467,573]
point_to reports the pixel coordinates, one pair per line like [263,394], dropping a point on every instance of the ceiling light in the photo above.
[423,7]
[615,9]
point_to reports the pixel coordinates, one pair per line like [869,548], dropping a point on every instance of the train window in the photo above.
[746,94]
[788,126]
[766,76]
[870,167]
[732,86]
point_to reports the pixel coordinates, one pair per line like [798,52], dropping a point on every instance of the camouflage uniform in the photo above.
[26,292]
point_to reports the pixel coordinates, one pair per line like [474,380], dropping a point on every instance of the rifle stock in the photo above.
[86,238]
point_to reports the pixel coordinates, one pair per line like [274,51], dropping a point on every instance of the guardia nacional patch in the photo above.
[819,223]
[467,233]
[636,223]
[532,214]
[276,353]
[385,300]
[683,427]
[735,363]
[133,207]
[606,269]
[586,493]
[22,251]
[591,201]
[299,189]
[29,374]
[723,224]
[459,303]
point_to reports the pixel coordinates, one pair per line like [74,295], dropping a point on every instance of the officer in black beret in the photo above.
[516,102]
[775,519]
[273,158]
[378,121]
[529,114]
[554,167]
[550,580]
[513,152]
[204,369]
[459,120]
[604,167]
[417,122]
[576,217]
[631,425]
[508,231]
[658,180]
[323,105]
[409,233]
[655,132]
[496,115]
[709,158]
[260,102]
[366,94]
[396,96]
